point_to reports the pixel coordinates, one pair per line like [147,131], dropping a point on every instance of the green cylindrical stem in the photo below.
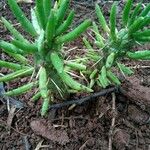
[44,90]
[43,82]
[45,106]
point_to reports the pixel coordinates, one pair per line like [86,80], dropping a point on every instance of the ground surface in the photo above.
[86,127]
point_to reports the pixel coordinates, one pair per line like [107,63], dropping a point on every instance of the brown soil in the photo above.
[91,126]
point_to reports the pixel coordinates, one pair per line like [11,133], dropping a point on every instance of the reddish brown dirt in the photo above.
[86,127]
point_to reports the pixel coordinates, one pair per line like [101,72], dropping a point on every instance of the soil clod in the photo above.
[121,139]
[136,93]
[137,115]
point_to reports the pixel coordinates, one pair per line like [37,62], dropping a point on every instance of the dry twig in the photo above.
[113,121]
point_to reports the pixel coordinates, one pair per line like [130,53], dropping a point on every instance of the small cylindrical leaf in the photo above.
[145,11]
[47,4]
[73,84]
[26,47]
[145,22]
[142,39]
[103,78]
[113,22]
[34,21]
[126,12]
[8,47]
[19,73]
[62,11]
[113,77]
[136,25]
[87,44]
[125,70]
[101,18]
[13,31]
[18,57]
[75,65]
[93,74]
[36,96]
[75,33]
[134,14]
[139,54]
[92,82]
[110,60]
[145,33]
[99,38]
[26,24]
[50,28]
[40,13]
[22,89]
[13,66]
[40,44]
[63,27]
[57,62]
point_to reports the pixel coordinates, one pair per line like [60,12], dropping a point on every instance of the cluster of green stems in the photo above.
[50,72]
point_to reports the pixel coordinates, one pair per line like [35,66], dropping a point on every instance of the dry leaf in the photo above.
[24,1]
[48,131]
